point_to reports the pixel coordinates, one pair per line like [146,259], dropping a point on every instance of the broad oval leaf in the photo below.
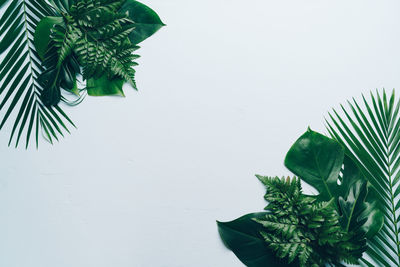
[102,86]
[147,22]
[243,237]
[317,160]
[42,33]
[320,161]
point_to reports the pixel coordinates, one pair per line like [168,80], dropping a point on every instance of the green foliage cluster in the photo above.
[94,35]
[299,227]
[370,132]
[330,228]
[49,45]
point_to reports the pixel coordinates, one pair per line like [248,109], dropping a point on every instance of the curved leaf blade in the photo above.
[42,34]
[21,63]
[317,160]
[243,237]
[376,153]
[147,22]
[104,87]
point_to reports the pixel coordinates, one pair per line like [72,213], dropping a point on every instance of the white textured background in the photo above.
[225,89]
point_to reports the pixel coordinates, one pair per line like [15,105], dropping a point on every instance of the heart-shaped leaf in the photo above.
[320,161]
[317,160]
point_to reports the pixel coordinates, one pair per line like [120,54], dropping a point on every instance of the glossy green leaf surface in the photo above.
[147,22]
[335,224]
[317,160]
[61,39]
[358,214]
[243,237]
[42,33]
[370,131]
[93,35]
[299,227]
[320,161]
[103,86]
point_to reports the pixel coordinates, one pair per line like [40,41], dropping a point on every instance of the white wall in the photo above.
[225,89]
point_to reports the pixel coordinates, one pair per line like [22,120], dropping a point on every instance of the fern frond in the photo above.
[65,40]
[290,249]
[297,226]
[106,28]
[85,8]
[98,36]
[282,226]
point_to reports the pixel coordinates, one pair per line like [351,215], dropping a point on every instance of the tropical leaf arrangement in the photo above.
[62,50]
[370,132]
[354,218]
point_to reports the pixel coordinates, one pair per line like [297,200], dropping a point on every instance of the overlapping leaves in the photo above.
[19,71]
[322,163]
[35,71]
[94,35]
[298,227]
[371,135]
[352,220]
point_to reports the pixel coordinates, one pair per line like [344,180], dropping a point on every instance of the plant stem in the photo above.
[391,195]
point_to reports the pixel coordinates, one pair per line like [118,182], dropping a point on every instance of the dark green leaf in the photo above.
[103,86]
[372,140]
[2,2]
[147,22]
[42,33]
[317,160]
[357,214]
[20,63]
[243,237]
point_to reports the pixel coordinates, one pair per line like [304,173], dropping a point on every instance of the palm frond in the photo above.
[371,135]
[19,72]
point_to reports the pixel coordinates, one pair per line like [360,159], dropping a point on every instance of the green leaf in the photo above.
[103,86]
[340,226]
[22,62]
[320,161]
[42,34]
[243,237]
[302,230]
[317,160]
[371,136]
[47,43]
[147,22]
[375,217]
[294,221]
[2,2]
[356,211]
[98,36]
[356,190]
